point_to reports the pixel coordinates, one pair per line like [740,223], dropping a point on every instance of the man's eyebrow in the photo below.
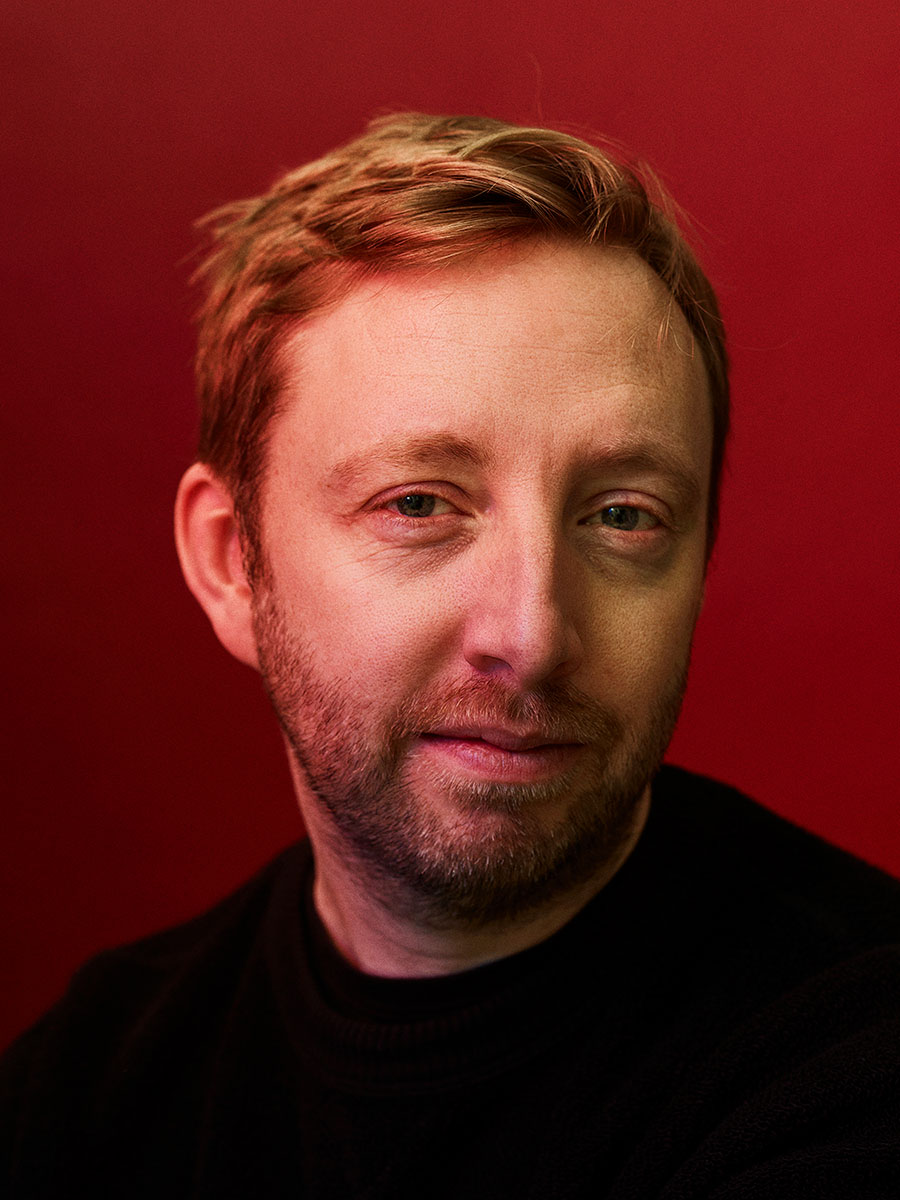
[650,459]
[447,449]
[438,449]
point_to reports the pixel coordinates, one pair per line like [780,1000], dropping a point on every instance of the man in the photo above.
[464,405]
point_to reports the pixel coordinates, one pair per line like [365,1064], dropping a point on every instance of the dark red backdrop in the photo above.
[147,776]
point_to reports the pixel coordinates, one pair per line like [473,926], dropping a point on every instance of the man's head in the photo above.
[477,480]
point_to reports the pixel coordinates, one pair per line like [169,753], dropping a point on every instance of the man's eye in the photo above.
[627,518]
[416,504]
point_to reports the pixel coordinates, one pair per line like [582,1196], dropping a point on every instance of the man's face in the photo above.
[543,581]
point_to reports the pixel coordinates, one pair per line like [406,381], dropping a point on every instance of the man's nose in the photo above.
[526,605]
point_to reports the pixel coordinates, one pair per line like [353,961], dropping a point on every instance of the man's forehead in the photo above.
[575,304]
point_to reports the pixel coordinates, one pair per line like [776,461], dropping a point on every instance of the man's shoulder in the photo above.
[770,875]
[137,1031]
[232,922]
[202,956]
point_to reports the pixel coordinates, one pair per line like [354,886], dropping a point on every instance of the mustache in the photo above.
[559,713]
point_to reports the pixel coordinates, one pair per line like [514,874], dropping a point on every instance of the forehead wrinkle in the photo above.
[650,343]
[657,337]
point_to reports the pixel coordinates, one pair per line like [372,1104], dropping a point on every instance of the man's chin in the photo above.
[473,854]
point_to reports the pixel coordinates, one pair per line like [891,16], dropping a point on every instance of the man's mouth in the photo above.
[522,759]
[503,739]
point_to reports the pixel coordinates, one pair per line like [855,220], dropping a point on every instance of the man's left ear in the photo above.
[209,549]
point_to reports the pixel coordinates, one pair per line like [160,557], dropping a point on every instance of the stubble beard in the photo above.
[499,858]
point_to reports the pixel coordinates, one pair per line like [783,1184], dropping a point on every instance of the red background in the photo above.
[147,777]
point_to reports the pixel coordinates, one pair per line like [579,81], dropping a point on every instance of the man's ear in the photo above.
[209,549]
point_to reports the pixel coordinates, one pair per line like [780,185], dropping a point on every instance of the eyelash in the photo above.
[422,522]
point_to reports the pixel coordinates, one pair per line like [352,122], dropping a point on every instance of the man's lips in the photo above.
[503,739]
[502,756]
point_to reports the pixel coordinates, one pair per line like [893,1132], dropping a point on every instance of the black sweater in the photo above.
[723,1020]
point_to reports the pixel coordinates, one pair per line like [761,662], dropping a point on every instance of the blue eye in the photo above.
[416,504]
[627,518]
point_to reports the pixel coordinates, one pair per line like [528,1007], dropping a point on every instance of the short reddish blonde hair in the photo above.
[413,191]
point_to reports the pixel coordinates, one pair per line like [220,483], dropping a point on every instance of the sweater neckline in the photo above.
[380,1036]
